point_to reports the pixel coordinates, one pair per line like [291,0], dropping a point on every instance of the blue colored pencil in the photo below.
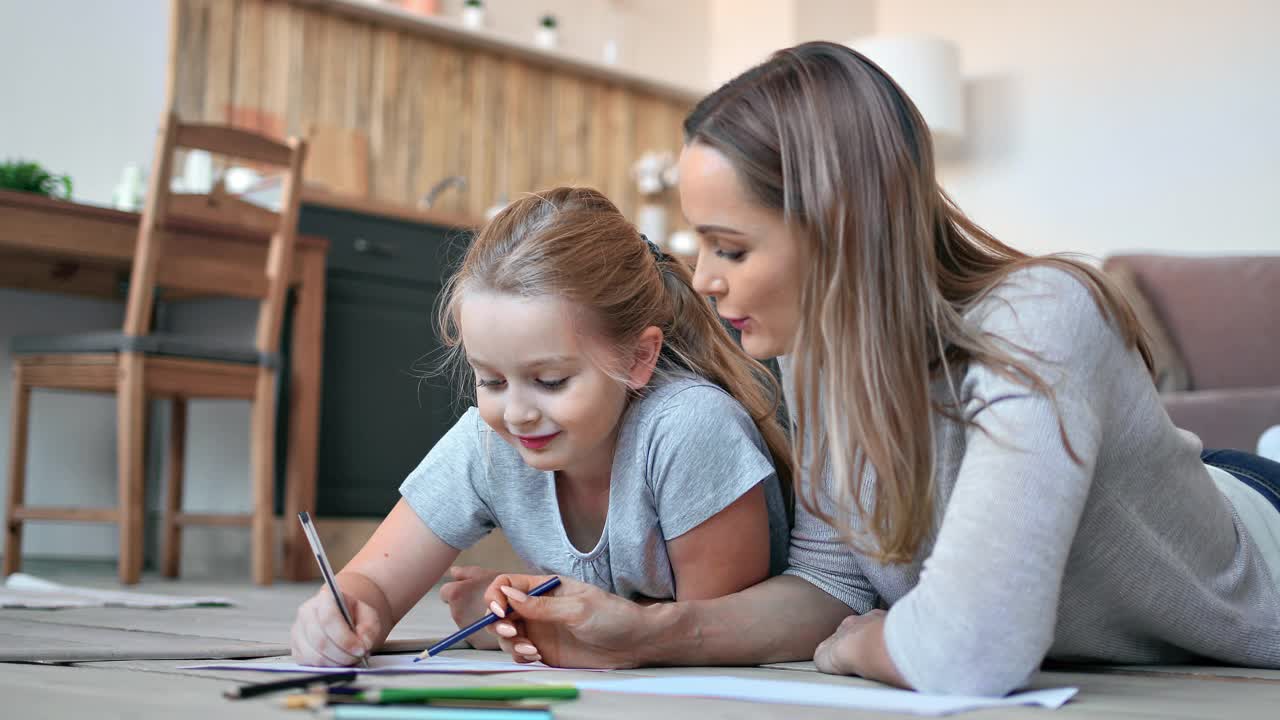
[483,622]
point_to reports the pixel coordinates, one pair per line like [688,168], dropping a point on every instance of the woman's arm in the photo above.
[858,648]
[983,615]
[782,619]
[726,553]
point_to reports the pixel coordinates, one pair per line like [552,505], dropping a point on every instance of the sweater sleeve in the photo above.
[820,556]
[981,618]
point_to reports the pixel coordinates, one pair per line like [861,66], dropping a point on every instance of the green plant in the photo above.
[473,3]
[549,21]
[30,177]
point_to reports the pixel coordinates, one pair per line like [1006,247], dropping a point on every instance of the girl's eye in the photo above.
[731,255]
[481,382]
[553,384]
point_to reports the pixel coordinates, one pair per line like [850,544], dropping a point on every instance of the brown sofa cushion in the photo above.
[1223,314]
[1232,418]
[1170,372]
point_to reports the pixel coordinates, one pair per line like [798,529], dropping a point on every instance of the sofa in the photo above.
[1214,326]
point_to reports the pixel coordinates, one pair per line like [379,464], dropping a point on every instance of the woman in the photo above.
[999,482]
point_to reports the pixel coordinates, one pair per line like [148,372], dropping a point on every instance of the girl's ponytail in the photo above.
[698,342]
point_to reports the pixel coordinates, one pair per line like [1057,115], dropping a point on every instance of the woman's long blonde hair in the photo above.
[822,135]
[573,243]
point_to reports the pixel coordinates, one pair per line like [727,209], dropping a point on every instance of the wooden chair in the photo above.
[137,364]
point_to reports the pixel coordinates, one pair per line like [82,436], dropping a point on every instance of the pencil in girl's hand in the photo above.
[480,624]
[326,570]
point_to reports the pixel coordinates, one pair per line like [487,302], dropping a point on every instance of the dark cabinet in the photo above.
[381,408]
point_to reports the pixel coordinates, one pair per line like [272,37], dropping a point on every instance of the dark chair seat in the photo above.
[164,344]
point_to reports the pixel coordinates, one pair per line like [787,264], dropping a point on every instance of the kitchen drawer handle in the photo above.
[366,247]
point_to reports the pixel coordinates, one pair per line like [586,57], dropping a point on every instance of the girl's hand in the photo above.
[320,635]
[857,648]
[578,625]
[464,594]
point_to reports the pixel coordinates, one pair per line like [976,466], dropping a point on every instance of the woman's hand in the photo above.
[857,648]
[464,594]
[580,625]
[321,637]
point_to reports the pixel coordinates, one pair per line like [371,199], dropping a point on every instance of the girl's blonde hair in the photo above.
[573,243]
[822,135]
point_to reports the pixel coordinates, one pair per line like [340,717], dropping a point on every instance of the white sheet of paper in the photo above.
[27,591]
[388,665]
[42,600]
[822,694]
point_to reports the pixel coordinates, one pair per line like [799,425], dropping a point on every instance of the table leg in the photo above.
[304,414]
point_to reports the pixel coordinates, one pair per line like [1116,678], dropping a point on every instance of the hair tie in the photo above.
[658,254]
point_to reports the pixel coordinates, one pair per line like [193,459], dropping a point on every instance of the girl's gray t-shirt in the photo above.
[685,451]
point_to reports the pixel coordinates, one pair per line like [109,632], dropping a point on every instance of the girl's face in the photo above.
[748,260]
[541,386]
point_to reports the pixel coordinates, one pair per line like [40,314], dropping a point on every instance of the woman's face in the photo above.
[748,261]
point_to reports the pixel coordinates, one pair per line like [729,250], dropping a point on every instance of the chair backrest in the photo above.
[186,218]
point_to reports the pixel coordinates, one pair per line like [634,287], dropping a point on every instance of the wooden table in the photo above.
[59,246]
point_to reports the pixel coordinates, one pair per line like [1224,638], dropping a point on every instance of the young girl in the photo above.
[620,437]
[995,480]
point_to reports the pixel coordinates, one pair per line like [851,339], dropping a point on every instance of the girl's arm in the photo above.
[394,569]
[726,553]
[399,564]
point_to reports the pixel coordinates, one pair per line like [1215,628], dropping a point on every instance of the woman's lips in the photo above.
[536,442]
[738,323]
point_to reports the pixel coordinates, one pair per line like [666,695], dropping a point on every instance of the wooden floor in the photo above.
[113,686]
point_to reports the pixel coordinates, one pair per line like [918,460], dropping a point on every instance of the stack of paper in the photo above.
[26,591]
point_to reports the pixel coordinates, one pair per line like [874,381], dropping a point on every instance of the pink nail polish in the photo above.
[526,649]
[505,630]
[513,593]
[497,609]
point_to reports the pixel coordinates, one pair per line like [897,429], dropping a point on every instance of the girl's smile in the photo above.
[537,442]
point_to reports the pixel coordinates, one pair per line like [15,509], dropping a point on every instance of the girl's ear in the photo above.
[647,350]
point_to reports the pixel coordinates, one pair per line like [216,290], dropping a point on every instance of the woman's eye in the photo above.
[553,384]
[731,255]
[481,382]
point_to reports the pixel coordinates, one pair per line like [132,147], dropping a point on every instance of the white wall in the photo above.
[743,33]
[1102,126]
[663,39]
[1095,126]
[83,86]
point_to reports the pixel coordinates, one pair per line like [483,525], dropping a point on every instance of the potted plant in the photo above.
[31,177]
[546,36]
